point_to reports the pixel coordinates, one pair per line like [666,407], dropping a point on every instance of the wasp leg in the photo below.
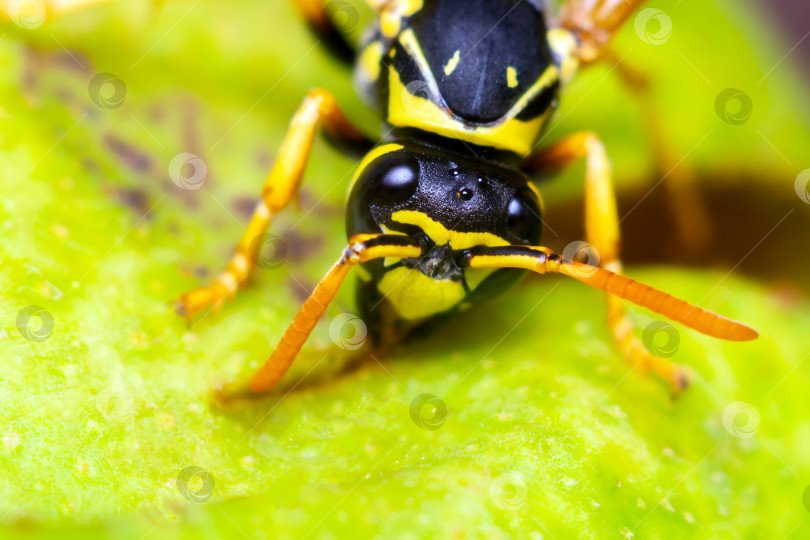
[691,217]
[542,260]
[322,17]
[361,248]
[582,37]
[602,230]
[594,23]
[319,109]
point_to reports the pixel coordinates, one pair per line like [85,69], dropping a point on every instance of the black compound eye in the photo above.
[523,216]
[395,176]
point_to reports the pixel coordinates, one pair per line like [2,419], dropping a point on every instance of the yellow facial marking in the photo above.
[371,156]
[452,63]
[442,235]
[511,77]
[416,296]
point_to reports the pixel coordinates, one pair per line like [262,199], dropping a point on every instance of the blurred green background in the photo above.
[548,433]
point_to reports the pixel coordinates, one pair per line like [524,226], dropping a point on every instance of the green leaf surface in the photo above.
[548,434]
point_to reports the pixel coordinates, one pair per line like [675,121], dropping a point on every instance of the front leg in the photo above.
[595,23]
[318,109]
[602,230]
[320,17]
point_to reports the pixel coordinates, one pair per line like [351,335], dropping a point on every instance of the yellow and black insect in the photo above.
[443,213]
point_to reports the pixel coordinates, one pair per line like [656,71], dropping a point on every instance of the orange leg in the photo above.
[594,23]
[689,212]
[361,248]
[585,29]
[331,21]
[319,108]
[602,229]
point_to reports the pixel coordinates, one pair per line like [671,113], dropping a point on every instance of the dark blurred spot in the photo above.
[787,295]
[71,60]
[191,132]
[244,206]
[137,199]
[174,228]
[300,288]
[129,155]
[29,77]
[155,113]
[89,164]
[316,206]
[301,247]
[64,95]
[264,159]
[793,14]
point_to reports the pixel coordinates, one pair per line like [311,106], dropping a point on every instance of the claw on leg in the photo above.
[199,299]
[637,355]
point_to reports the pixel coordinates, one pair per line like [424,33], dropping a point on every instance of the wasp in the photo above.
[442,212]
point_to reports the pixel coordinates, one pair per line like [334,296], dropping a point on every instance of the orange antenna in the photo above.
[543,260]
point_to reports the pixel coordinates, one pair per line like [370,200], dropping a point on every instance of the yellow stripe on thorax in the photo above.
[408,110]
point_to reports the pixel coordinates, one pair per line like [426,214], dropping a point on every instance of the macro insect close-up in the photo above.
[444,204]
[517,268]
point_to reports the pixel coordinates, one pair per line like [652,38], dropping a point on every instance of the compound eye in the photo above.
[395,176]
[523,216]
